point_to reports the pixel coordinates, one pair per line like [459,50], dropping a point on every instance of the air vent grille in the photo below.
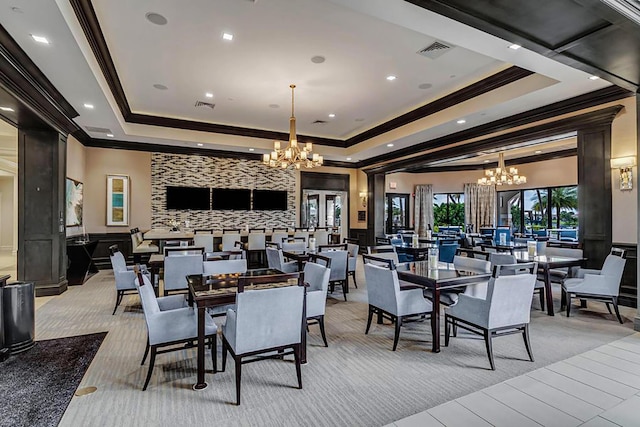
[205,104]
[435,50]
[97,129]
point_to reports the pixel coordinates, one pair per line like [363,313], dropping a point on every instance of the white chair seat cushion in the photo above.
[178,325]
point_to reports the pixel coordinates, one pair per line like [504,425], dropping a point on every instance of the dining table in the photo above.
[222,289]
[546,263]
[510,247]
[418,250]
[445,277]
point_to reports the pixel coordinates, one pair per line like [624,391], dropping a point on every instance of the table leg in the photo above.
[201,384]
[303,338]
[435,320]
[547,291]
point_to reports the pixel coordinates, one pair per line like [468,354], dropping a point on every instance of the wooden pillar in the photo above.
[636,320]
[42,157]
[375,207]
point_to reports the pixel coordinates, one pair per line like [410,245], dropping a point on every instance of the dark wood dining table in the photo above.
[547,263]
[446,276]
[222,289]
[418,251]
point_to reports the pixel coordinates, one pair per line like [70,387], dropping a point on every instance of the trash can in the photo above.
[18,313]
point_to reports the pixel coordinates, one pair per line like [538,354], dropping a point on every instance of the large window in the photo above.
[448,209]
[539,209]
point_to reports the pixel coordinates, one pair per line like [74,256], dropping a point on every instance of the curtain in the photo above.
[423,208]
[479,205]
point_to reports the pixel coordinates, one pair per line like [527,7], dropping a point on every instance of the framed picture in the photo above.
[73,199]
[117,200]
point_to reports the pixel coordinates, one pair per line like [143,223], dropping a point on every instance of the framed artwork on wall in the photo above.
[117,200]
[73,198]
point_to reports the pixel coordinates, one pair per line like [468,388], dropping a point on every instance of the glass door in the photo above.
[396,212]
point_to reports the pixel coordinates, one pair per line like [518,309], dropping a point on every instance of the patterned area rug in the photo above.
[38,385]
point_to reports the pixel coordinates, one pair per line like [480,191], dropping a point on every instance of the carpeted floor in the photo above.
[356,381]
[38,384]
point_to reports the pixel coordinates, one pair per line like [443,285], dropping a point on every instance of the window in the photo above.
[448,209]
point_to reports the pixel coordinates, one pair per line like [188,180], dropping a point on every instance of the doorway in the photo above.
[396,212]
[8,199]
[322,208]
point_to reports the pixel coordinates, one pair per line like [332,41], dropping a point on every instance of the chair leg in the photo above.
[447,329]
[344,288]
[296,354]
[224,355]
[615,307]
[568,300]
[354,280]
[369,320]
[397,334]
[527,344]
[214,353]
[238,377]
[152,361]
[321,325]
[146,352]
[488,343]
[542,299]
[563,299]
[609,307]
[118,300]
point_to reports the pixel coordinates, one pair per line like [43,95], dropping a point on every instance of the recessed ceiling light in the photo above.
[348,158]
[110,135]
[332,115]
[424,86]
[252,149]
[486,161]
[200,145]
[156,18]
[274,106]
[538,151]
[227,36]
[318,59]
[6,109]
[391,78]
[89,106]
[40,39]
[389,145]
[461,121]
[515,46]
[594,78]
[208,95]
[359,119]
[160,87]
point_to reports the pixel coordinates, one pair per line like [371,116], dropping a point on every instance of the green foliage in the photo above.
[515,216]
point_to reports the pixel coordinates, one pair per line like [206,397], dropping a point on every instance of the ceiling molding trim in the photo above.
[581,102]
[571,152]
[595,118]
[481,87]
[23,80]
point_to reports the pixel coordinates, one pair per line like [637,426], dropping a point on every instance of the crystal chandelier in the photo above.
[293,155]
[501,175]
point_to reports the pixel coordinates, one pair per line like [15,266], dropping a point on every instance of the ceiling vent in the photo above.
[435,50]
[97,130]
[205,104]
[319,122]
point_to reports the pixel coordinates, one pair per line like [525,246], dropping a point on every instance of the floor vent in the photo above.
[435,50]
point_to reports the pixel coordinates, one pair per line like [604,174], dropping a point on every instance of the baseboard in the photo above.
[51,289]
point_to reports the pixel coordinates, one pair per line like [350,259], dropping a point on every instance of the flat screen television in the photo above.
[230,199]
[269,200]
[194,198]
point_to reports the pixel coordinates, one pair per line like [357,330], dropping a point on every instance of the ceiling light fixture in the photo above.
[594,77]
[332,115]
[389,145]
[391,78]
[200,144]
[514,46]
[208,95]
[89,106]
[348,158]
[110,135]
[538,151]
[6,109]
[501,175]
[292,155]
[461,121]
[227,36]
[40,39]
[252,149]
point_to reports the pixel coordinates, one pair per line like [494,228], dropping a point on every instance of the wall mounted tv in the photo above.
[269,200]
[230,199]
[194,198]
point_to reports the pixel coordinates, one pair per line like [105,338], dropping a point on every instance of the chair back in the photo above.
[204,240]
[256,241]
[502,259]
[338,264]
[473,264]
[297,247]
[614,251]
[385,252]
[183,250]
[224,266]
[613,267]
[567,252]
[268,318]
[317,276]
[509,295]
[147,296]
[203,231]
[383,241]
[382,287]
[278,236]
[275,259]
[447,252]
[229,241]
[177,268]
[135,238]
[321,236]
[118,263]
[302,234]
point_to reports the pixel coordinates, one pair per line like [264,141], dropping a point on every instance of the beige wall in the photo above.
[101,162]
[76,164]
[6,213]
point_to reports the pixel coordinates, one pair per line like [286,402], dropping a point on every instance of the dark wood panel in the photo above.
[629,286]
[375,206]
[324,181]
[594,193]
[361,235]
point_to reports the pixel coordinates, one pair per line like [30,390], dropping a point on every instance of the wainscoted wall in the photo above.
[212,172]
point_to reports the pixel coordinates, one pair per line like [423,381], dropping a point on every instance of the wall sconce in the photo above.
[625,165]
[363,199]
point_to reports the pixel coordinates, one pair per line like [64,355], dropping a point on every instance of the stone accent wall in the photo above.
[213,172]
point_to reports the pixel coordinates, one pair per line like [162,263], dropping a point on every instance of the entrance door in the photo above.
[396,212]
